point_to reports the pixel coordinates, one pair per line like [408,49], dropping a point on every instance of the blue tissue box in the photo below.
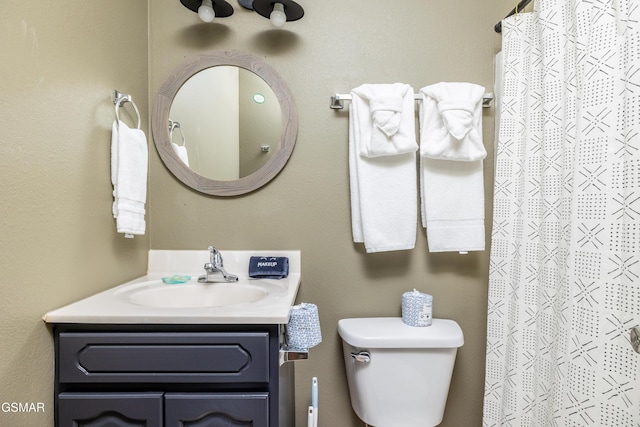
[268,267]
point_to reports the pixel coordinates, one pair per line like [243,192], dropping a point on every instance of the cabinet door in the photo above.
[217,410]
[109,410]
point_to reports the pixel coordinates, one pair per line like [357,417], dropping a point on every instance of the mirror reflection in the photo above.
[225,123]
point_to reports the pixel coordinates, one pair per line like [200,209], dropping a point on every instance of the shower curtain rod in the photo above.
[519,7]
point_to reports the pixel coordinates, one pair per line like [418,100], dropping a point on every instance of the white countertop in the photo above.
[110,307]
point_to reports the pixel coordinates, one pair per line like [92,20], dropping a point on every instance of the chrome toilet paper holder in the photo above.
[289,354]
[292,355]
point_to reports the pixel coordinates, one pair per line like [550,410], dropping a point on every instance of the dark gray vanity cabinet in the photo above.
[166,376]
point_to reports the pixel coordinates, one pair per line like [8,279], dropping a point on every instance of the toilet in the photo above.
[399,375]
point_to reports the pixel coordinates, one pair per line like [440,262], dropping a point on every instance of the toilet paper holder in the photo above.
[287,353]
[292,355]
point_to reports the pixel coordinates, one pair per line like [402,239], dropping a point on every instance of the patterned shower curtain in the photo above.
[564,287]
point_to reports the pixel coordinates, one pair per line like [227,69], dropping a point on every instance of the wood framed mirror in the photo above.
[225,123]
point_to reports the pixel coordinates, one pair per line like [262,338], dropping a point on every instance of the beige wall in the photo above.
[59,63]
[337,46]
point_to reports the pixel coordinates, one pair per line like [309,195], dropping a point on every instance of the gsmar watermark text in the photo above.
[22,406]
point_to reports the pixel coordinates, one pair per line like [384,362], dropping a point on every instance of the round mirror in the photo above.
[225,123]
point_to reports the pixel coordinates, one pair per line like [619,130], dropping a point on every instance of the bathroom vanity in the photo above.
[191,375]
[122,359]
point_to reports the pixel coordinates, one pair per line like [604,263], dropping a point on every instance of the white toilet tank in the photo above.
[399,375]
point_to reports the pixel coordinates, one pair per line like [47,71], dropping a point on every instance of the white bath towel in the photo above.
[451,177]
[129,165]
[386,119]
[452,122]
[383,189]
[453,205]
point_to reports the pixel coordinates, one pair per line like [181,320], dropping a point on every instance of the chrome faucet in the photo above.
[215,269]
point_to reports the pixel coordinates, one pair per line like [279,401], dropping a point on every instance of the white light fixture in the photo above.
[207,10]
[278,11]
[277,16]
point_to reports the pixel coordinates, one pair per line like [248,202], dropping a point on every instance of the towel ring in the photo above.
[173,126]
[121,98]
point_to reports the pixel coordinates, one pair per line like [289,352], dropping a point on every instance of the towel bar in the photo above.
[336,100]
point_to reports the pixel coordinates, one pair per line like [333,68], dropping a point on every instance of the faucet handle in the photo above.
[215,257]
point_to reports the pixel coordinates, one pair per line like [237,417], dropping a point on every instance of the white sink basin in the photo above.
[155,293]
[148,300]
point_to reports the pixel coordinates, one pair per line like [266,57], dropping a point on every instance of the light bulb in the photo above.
[205,11]
[277,17]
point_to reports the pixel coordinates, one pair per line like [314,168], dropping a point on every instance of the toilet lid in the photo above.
[391,332]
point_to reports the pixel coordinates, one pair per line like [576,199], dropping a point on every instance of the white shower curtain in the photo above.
[564,286]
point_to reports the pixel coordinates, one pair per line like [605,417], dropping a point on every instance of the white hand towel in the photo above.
[383,189]
[451,176]
[129,164]
[181,151]
[114,166]
[386,120]
[451,121]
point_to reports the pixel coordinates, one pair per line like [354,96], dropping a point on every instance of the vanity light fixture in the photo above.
[207,10]
[278,11]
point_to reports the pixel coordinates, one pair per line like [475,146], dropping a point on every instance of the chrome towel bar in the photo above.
[338,98]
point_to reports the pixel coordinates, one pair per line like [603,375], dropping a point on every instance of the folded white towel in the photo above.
[387,119]
[453,205]
[129,164]
[451,122]
[383,189]
[451,177]
[181,151]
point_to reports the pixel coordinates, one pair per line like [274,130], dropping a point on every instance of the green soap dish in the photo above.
[176,279]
